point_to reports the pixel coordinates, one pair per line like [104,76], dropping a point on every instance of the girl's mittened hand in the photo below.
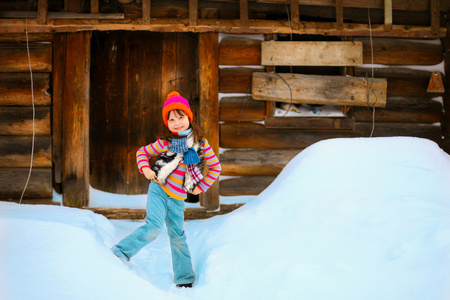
[196,191]
[149,174]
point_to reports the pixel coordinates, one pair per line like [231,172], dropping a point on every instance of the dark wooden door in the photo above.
[131,73]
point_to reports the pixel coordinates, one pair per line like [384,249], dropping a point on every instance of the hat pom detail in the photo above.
[172,94]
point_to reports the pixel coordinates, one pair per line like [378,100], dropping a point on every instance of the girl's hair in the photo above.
[196,129]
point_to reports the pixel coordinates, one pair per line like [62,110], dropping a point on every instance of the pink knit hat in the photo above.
[175,101]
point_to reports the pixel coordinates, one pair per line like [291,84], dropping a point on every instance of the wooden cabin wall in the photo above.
[253,154]
[16,118]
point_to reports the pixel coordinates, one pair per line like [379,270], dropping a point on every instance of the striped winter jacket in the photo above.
[173,179]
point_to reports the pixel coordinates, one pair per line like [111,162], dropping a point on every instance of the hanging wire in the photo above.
[32,103]
[369,85]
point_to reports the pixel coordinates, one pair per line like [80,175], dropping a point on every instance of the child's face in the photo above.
[177,122]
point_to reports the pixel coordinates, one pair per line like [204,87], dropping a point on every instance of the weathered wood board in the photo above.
[15,89]
[241,109]
[19,120]
[253,135]
[15,151]
[237,51]
[245,185]
[12,183]
[315,89]
[311,53]
[255,161]
[14,58]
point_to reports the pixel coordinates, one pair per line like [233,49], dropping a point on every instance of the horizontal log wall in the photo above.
[16,119]
[257,147]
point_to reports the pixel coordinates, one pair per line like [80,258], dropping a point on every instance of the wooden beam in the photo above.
[94,6]
[295,15]
[209,104]
[311,53]
[193,213]
[388,15]
[401,52]
[253,135]
[51,16]
[245,185]
[316,89]
[42,11]
[75,143]
[339,14]
[319,123]
[237,80]
[239,109]
[15,89]
[214,25]
[238,51]
[146,9]
[243,12]
[59,65]
[435,22]
[256,162]
[193,12]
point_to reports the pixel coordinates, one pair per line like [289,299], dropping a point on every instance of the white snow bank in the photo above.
[346,219]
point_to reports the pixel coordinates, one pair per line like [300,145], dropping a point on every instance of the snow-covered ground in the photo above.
[346,219]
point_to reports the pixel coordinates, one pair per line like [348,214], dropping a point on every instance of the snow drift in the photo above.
[346,219]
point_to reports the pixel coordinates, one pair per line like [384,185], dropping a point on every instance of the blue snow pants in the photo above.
[160,207]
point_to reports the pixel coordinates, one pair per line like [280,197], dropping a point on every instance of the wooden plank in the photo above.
[193,213]
[295,14]
[14,58]
[209,104]
[193,12]
[15,151]
[404,110]
[243,13]
[238,51]
[388,14]
[242,109]
[245,185]
[75,143]
[401,52]
[42,11]
[59,56]
[311,53]
[19,121]
[339,14]
[145,125]
[315,89]
[320,123]
[12,183]
[15,89]
[236,80]
[255,161]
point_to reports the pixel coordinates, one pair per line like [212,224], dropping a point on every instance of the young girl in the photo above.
[177,171]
